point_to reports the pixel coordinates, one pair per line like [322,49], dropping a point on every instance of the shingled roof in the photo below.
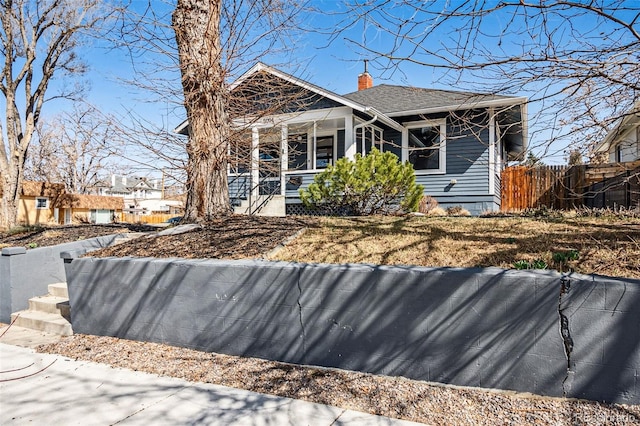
[89,202]
[396,100]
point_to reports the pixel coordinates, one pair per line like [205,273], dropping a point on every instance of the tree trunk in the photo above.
[11,188]
[197,27]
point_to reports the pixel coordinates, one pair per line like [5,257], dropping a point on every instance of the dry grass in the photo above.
[606,246]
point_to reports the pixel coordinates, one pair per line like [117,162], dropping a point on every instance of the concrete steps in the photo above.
[50,313]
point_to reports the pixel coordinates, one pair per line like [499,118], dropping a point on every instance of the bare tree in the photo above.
[579,61]
[197,27]
[215,39]
[38,43]
[73,148]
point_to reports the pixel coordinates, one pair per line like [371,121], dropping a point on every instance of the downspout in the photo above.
[357,126]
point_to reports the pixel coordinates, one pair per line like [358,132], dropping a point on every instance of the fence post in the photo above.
[7,280]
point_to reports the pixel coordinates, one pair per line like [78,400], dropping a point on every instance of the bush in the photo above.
[458,211]
[427,203]
[437,211]
[374,184]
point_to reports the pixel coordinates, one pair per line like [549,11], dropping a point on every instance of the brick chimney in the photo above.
[365,81]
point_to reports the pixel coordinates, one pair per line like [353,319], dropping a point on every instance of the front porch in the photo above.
[272,159]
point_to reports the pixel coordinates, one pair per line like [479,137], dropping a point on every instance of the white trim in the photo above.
[404,142]
[303,172]
[284,157]
[296,117]
[462,106]
[492,152]
[524,116]
[442,150]
[314,135]
[46,203]
[349,140]
[255,162]
[313,138]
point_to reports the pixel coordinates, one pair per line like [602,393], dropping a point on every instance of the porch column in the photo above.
[284,158]
[255,163]
[405,146]
[492,152]
[349,143]
[313,145]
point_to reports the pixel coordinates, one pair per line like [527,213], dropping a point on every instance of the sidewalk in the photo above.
[54,390]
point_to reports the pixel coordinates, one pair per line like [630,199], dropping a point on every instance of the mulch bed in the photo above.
[33,237]
[232,237]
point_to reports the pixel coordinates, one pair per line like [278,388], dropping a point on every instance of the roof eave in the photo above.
[462,106]
[384,119]
[182,128]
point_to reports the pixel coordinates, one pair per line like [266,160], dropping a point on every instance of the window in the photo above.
[269,153]
[42,203]
[426,146]
[297,152]
[368,136]
[324,151]
[240,152]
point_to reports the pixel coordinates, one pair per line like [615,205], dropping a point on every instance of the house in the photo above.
[49,203]
[37,202]
[141,196]
[286,130]
[85,208]
[622,144]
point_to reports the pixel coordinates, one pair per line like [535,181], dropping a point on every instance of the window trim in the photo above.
[442,154]
[46,203]
[311,143]
[375,142]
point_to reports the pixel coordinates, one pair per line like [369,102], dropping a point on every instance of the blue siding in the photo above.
[467,162]
[295,182]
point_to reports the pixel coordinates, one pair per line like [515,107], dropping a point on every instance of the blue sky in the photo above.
[334,67]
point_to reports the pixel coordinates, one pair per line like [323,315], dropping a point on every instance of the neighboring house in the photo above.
[141,195]
[622,144]
[37,202]
[49,203]
[85,208]
[458,142]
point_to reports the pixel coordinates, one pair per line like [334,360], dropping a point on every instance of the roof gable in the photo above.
[265,93]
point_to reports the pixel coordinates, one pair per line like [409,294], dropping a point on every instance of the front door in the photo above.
[324,152]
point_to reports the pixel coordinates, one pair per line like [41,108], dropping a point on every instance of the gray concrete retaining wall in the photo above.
[490,328]
[27,273]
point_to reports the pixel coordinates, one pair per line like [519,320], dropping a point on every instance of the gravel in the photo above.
[387,396]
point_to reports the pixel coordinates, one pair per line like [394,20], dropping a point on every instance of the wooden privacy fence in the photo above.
[568,187]
[148,218]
